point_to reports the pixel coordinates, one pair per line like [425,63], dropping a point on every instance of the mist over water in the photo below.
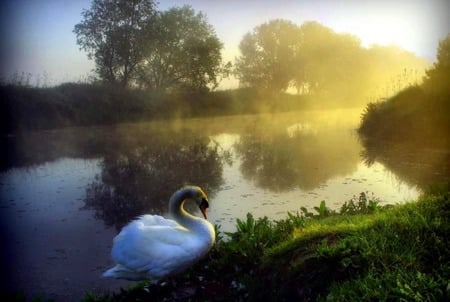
[66,193]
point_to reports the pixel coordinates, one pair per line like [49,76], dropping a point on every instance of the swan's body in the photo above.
[155,247]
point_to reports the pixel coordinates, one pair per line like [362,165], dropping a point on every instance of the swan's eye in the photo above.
[204,203]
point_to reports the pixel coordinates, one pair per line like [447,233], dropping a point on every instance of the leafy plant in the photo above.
[251,237]
[360,206]
[306,213]
[323,210]
[296,221]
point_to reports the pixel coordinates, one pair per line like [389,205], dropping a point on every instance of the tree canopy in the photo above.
[134,44]
[112,33]
[183,52]
[269,55]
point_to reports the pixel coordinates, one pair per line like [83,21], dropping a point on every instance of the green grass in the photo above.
[397,253]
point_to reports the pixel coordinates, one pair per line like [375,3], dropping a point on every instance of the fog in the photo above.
[333,68]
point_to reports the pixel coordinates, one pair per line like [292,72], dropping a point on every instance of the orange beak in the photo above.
[203,210]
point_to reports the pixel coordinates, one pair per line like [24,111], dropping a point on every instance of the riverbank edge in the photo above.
[364,251]
[24,109]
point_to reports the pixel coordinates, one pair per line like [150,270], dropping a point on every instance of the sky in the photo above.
[37,35]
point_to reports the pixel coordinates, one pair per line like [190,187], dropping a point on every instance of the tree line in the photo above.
[315,60]
[134,44]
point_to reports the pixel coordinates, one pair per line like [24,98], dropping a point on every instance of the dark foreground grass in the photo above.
[364,253]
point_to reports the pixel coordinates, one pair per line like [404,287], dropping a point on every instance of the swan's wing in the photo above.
[156,248]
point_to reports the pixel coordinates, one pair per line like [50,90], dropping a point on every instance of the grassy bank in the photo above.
[419,114]
[413,115]
[25,108]
[410,127]
[363,252]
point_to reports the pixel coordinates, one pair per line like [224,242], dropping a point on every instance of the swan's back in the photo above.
[155,220]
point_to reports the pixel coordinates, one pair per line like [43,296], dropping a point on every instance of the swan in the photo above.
[153,247]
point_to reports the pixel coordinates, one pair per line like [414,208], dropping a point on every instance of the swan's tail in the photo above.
[122,272]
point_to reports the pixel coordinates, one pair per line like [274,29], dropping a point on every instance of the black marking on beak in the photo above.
[204,203]
[203,206]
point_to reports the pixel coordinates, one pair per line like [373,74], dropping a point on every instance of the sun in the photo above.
[401,23]
[388,30]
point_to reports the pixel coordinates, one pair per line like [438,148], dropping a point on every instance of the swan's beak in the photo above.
[203,206]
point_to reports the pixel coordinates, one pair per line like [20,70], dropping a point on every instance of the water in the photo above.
[65,194]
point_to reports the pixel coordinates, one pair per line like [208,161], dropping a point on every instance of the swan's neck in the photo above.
[178,212]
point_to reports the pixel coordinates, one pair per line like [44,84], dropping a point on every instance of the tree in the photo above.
[112,34]
[437,77]
[269,55]
[183,52]
[331,61]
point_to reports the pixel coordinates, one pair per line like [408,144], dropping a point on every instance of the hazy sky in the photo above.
[37,37]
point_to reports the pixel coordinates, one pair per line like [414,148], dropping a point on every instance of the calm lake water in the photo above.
[66,193]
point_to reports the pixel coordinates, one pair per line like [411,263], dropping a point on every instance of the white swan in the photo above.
[155,247]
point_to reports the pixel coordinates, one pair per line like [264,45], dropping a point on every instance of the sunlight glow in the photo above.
[38,38]
[389,32]
[407,24]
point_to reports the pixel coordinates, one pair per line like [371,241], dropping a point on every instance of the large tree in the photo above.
[269,55]
[112,33]
[331,61]
[183,52]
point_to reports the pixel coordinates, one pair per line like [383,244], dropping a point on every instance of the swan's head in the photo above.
[202,201]
[200,198]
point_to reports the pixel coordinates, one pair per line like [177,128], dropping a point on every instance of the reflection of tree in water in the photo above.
[141,180]
[280,161]
[416,165]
